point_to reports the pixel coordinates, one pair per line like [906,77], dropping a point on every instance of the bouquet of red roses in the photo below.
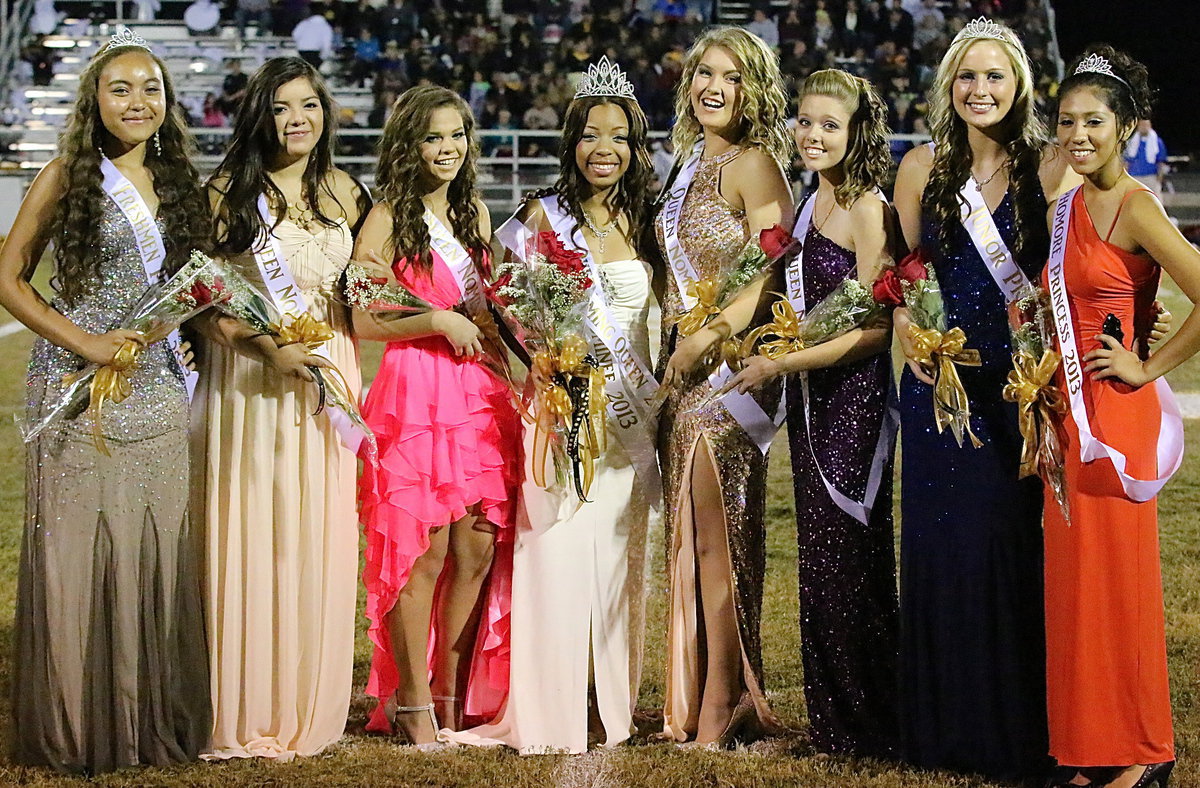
[162,309]
[541,290]
[1040,404]
[914,284]
[712,295]
[253,309]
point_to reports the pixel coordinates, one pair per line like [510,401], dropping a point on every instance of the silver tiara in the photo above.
[604,79]
[128,38]
[980,28]
[1095,64]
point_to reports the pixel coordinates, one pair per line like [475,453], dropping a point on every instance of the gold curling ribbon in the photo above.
[552,406]
[705,293]
[951,407]
[784,326]
[111,383]
[303,329]
[1038,402]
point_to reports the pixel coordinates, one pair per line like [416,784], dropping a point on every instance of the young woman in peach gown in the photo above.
[441,503]
[274,483]
[1108,700]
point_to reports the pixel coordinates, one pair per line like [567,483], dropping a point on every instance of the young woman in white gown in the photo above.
[578,568]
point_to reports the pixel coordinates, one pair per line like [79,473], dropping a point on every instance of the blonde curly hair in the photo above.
[762,103]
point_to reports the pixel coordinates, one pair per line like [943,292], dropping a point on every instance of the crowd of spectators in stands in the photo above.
[517,61]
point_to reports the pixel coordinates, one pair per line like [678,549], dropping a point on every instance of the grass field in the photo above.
[362,760]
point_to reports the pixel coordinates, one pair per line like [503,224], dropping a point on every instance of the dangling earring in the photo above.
[157,144]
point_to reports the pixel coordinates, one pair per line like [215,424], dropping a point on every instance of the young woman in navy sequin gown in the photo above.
[848,640]
[972,647]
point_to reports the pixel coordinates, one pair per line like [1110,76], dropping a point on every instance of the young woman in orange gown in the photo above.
[1107,696]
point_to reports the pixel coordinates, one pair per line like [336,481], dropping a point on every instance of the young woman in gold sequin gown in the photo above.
[109,668]
[714,473]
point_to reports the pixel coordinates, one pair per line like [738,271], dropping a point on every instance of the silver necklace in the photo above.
[596,231]
[980,184]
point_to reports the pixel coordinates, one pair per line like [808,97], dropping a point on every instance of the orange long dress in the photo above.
[1106,655]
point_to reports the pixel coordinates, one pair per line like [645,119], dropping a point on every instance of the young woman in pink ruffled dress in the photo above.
[438,508]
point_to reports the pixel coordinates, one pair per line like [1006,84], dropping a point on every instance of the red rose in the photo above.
[776,242]
[493,290]
[887,290]
[201,293]
[912,268]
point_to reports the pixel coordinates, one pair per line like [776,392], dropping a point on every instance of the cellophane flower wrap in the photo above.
[1040,404]
[164,307]
[247,304]
[850,305]
[936,346]
[541,291]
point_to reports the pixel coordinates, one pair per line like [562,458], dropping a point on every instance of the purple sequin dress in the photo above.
[848,608]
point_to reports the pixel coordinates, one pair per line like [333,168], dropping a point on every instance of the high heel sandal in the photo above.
[1155,773]
[431,746]
[453,720]
[743,727]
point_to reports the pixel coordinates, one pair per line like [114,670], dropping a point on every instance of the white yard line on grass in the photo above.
[11,328]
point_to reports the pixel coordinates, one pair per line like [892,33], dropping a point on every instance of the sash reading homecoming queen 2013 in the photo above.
[860,510]
[288,299]
[150,246]
[1170,431]
[630,383]
[744,408]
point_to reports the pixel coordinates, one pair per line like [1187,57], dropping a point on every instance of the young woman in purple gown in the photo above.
[838,425]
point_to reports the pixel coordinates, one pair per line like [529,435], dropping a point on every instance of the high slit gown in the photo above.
[712,234]
[578,586]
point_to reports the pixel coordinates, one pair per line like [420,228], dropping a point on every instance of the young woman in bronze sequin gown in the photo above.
[110,667]
[731,138]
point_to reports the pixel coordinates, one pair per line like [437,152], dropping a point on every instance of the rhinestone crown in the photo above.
[604,79]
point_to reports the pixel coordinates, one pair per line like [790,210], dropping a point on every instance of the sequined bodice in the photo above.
[711,231]
[158,402]
[826,265]
[973,300]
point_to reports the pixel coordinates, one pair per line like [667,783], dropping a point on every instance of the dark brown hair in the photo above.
[76,225]
[402,174]
[254,146]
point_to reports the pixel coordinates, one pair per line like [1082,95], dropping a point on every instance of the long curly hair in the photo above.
[1026,141]
[761,107]
[76,226]
[402,174]
[632,192]
[242,175]
[1130,100]
[868,156]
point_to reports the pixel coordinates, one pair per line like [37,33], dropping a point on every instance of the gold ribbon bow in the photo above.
[553,407]
[1038,402]
[111,384]
[784,326]
[303,329]
[705,293]
[943,352]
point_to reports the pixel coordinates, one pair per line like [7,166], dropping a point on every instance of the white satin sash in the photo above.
[150,246]
[1170,431]
[744,408]
[288,298]
[630,383]
[860,510]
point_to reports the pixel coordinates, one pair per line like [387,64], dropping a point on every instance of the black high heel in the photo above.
[1155,773]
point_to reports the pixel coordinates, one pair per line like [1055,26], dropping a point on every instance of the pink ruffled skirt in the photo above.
[449,439]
